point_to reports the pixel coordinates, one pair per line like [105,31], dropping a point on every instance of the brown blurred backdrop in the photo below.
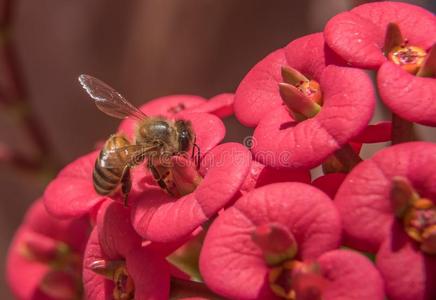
[144,49]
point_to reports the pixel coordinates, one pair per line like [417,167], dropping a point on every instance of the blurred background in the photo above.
[145,49]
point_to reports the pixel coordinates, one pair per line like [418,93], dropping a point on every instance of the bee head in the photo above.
[185,135]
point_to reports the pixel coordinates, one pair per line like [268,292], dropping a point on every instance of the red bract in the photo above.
[350,275]
[159,217]
[411,97]
[349,102]
[115,264]
[170,106]
[375,202]
[233,265]
[358,35]
[279,139]
[71,193]
[260,175]
[258,92]
[44,259]
[408,274]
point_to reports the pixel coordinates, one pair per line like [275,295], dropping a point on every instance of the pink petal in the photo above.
[258,91]
[408,273]
[261,175]
[358,36]
[225,168]
[232,265]
[116,234]
[357,40]
[375,133]
[96,287]
[71,193]
[73,232]
[308,55]
[417,25]
[348,106]
[23,275]
[209,129]
[329,183]
[412,98]
[220,105]
[150,274]
[351,276]
[167,106]
[363,198]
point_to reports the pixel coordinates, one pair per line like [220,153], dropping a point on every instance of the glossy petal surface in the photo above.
[412,98]
[348,106]
[408,273]
[71,193]
[224,167]
[363,198]
[358,35]
[351,276]
[232,264]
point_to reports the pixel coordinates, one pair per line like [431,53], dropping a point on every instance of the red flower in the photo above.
[266,229]
[358,35]
[160,217]
[394,38]
[116,266]
[44,259]
[72,194]
[387,204]
[281,138]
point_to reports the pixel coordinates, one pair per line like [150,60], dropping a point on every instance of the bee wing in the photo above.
[109,100]
[131,155]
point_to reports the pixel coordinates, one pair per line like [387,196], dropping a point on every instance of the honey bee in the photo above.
[156,140]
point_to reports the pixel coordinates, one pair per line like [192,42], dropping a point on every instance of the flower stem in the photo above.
[402,130]
[342,161]
[181,288]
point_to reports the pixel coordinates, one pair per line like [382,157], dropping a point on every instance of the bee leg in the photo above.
[156,175]
[197,155]
[126,184]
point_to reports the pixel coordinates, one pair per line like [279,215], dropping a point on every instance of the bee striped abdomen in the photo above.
[107,179]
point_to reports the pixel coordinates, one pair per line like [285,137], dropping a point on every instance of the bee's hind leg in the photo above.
[126,184]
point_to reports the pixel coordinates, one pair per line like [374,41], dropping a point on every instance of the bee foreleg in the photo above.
[157,176]
[126,184]
[196,156]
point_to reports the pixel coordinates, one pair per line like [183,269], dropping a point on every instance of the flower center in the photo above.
[311,89]
[64,265]
[302,96]
[116,271]
[410,58]
[418,214]
[124,286]
[420,223]
[295,280]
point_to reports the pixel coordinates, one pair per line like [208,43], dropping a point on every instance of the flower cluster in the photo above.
[248,221]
